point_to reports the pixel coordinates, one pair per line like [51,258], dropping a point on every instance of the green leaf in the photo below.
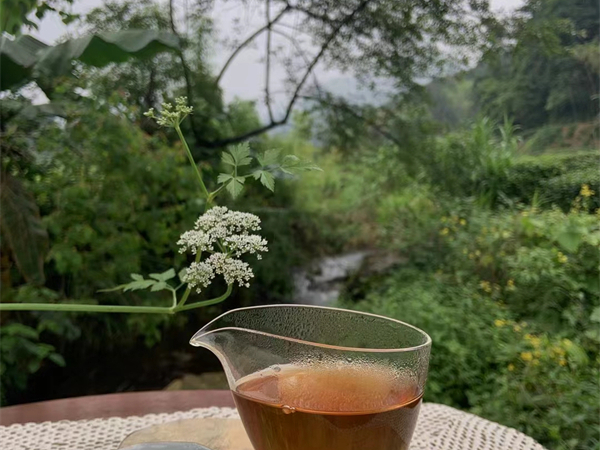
[14,14]
[593,334]
[22,229]
[57,359]
[227,158]
[133,286]
[595,316]
[569,239]
[17,329]
[236,186]
[163,276]
[159,286]
[224,178]
[241,154]
[266,178]
[136,277]
[26,58]
[269,158]
[292,165]
[17,59]
[138,285]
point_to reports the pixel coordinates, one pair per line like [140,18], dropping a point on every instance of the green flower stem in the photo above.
[214,193]
[192,162]
[188,289]
[212,301]
[69,307]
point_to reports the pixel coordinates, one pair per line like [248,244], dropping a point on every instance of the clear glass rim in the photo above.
[425,344]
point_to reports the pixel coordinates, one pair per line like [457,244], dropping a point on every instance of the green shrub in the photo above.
[486,362]
[22,354]
[473,162]
[561,190]
[114,201]
[542,264]
[555,178]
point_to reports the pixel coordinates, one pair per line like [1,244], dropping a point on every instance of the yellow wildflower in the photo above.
[499,322]
[562,258]
[511,367]
[477,253]
[444,231]
[537,354]
[567,343]
[536,362]
[463,222]
[510,284]
[562,362]
[526,356]
[486,286]
[471,256]
[517,328]
[586,191]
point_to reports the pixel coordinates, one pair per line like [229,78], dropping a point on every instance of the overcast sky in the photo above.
[245,77]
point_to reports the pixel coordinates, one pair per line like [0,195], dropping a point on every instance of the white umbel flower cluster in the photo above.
[169,116]
[226,236]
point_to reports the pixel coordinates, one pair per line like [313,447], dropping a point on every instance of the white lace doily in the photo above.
[439,428]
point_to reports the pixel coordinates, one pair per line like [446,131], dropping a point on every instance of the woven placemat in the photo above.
[439,428]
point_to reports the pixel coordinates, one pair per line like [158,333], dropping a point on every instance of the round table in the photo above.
[103,422]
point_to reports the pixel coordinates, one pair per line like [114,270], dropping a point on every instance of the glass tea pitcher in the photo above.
[316,378]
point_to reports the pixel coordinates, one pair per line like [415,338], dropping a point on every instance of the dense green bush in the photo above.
[542,264]
[555,179]
[486,362]
[510,295]
[472,162]
[115,200]
[513,309]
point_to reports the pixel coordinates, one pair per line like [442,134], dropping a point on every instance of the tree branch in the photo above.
[338,25]
[248,41]
[316,59]
[323,18]
[301,53]
[268,62]
[353,113]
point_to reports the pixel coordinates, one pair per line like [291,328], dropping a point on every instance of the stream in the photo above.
[321,282]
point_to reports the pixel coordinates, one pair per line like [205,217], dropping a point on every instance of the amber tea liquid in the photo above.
[328,407]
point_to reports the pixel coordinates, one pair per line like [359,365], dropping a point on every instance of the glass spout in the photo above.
[254,340]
